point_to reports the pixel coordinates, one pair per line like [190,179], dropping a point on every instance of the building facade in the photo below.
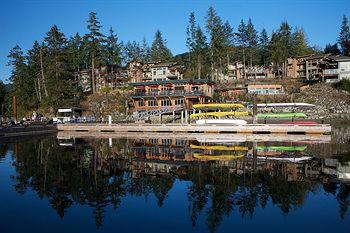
[171,93]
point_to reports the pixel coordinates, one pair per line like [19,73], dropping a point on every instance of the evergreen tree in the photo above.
[191,31]
[242,42]
[34,62]
[159,51]
[219,40]
[113,49]
[299,43]
[75,50]
[133,51]
[264,47]
[252,40]
[344,37]
[60,76]
[145,51]
[22,86]
[94,44]
[200,47]
[332,49]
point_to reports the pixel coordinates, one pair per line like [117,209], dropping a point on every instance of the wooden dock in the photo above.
[28,130]
[192,128]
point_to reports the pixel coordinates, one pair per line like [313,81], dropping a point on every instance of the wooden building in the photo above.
[171,93]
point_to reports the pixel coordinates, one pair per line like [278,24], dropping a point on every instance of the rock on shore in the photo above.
[330,102]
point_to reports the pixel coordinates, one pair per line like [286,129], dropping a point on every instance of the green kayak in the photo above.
[281,115]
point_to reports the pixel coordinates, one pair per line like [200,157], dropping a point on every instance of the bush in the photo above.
[344,84]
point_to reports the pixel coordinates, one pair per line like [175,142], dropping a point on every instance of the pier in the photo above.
[192,128]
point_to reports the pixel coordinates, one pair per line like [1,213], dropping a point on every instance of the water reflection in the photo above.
[223,176]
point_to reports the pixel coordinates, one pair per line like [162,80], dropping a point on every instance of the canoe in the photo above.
[221,122]
[218,106]
[218,114]
[281,115]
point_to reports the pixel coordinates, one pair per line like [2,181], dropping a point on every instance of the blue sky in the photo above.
[23,22]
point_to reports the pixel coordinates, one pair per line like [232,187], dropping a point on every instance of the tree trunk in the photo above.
[93,74]
[244,77]
[42,74]
[199,67]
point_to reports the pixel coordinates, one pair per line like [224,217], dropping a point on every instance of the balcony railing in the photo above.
[168,93]
[331,71]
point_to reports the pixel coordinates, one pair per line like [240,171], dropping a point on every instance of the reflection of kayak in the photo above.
[282,148]
[221,122]
[235,148]
[300,122]
[287,159]
[281,115]
[217,157]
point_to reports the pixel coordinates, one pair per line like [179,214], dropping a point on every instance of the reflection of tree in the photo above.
[99,176]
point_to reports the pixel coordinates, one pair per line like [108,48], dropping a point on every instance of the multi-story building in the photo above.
[171,93]
[324,67]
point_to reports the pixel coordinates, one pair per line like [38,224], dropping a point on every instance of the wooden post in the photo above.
[14,107]
[255,110]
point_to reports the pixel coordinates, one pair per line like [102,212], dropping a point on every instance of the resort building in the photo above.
[171,93]
[324,67]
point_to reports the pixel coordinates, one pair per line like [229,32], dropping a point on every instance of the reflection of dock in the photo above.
[189,128]
[215,138]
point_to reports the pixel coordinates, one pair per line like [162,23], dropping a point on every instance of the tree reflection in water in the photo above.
[97,175]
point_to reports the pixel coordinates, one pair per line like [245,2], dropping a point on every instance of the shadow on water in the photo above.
[222,177]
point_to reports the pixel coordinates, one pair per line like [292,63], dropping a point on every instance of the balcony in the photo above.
[331,72]
[168,93]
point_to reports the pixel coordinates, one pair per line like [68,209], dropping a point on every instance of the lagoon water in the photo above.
[158,184]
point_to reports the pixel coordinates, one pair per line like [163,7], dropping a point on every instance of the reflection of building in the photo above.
[337,169]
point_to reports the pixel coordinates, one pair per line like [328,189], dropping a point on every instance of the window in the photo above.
[154,72]
[140,103]
[152,103]
[179,101]
[166,103]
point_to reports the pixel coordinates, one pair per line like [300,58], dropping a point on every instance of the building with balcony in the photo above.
[324,67]
[152,95]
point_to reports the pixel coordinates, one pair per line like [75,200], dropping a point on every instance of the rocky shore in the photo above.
[330,102]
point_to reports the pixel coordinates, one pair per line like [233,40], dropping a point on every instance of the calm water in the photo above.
[150,184]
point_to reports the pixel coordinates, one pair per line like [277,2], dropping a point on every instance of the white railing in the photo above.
[331,71]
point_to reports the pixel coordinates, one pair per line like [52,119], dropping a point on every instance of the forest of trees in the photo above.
[44,77]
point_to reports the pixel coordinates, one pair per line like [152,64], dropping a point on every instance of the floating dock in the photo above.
[16,131]
[324,129]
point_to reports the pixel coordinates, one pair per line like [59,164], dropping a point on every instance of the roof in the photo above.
[163,64]
[172,82]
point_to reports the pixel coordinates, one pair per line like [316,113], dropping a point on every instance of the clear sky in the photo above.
[23,22]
